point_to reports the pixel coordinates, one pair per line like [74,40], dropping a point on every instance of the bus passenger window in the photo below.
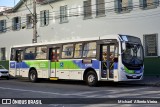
[67,51]
[89,49]
[29,53]
[78,50]
[41,52]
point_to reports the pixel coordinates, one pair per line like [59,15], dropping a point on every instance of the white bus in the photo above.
[105,58]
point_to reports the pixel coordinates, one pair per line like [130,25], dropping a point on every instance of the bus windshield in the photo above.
[133,55]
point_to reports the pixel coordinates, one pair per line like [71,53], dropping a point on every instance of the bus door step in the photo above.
[53,78]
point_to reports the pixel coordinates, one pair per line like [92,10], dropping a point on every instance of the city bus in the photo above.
[105,58]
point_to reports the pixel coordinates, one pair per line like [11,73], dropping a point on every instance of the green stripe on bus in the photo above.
[128,71]
[39,64]
[64,64]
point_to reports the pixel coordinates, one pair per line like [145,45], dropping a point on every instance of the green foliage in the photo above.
[5,64]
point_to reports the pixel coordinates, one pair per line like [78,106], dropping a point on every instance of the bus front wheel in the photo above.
[33,76]
[91,78]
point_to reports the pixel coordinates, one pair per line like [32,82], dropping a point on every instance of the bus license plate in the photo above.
[134,76]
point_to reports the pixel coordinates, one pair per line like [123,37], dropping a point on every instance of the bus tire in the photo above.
[91,79]
[33,75]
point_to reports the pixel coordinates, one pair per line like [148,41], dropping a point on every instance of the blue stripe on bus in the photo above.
[18,65]
[94,64]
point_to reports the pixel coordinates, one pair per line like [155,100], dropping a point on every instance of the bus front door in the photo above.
[107,61]
[54,58]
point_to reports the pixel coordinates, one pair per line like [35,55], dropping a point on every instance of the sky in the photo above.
[8,3]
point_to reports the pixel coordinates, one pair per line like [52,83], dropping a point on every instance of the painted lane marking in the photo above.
[43,92]
[83,94]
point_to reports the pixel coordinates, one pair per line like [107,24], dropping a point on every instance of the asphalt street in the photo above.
[74,89]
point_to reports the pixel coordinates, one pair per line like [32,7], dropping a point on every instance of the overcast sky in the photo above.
[8,3]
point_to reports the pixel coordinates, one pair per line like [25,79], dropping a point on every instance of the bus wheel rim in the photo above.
[32,76]
[91,78]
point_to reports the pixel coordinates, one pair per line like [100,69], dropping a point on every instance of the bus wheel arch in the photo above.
[32,75]
[90,76]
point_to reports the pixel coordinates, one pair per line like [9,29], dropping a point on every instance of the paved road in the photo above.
[74,89]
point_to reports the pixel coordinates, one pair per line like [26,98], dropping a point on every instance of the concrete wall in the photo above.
[136,22]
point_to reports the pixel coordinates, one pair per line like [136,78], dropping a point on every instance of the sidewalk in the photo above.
[147,81]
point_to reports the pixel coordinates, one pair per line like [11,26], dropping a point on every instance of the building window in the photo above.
[3,53]
[123,6]
[87,9]
[29,21]
[63,14]
[16,23]
[44,17]
[100,10]
[151,44]
[148,4]
[2,26]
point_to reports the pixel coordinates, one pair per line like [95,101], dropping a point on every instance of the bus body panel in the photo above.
[22,68]
[70,69]
[12,68]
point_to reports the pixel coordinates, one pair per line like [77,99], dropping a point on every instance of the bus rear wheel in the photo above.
[33,76]
[91,78]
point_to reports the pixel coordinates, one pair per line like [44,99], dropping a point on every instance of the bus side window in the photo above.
[67,51]
[12,57]
[19,55]
[41,52]
[89,49]
[30,53]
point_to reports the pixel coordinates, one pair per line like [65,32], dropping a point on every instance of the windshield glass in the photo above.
[133,54]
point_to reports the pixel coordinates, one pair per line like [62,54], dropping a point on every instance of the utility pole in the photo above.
[34,23]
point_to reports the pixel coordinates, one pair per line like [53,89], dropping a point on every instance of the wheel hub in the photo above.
[91,78]
[32,76]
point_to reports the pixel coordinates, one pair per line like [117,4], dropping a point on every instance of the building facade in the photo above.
[4,8]
[69,19]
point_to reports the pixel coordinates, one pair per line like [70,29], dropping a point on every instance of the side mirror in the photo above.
[123,46]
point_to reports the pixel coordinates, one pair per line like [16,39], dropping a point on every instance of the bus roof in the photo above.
[114,36]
